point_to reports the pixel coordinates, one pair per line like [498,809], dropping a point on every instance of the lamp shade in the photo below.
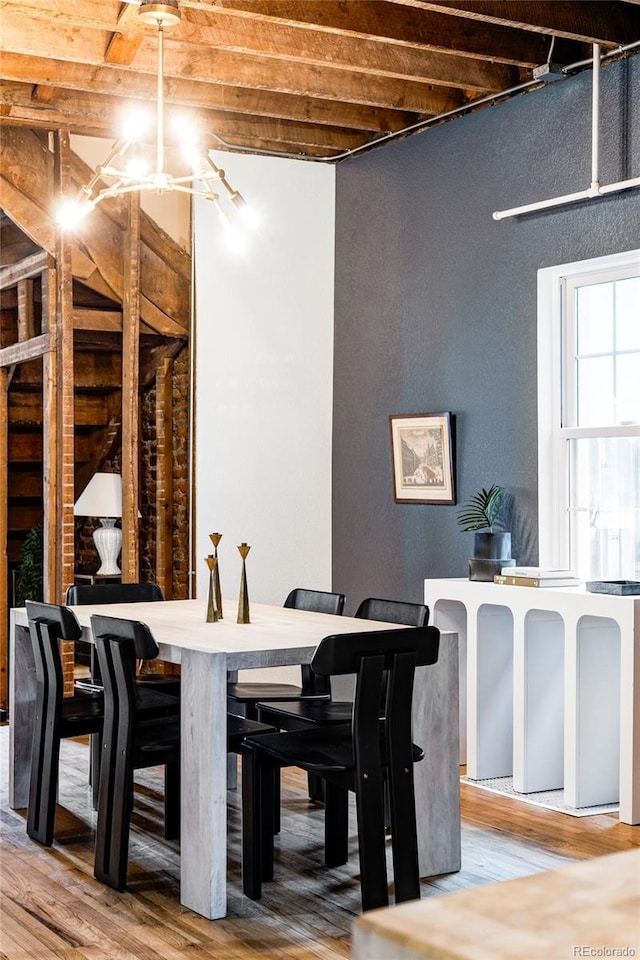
[102,497]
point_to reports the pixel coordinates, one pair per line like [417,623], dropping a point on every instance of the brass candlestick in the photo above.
[215,540]
[212,610]
[243,602]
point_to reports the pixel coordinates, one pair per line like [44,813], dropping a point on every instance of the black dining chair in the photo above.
[57,717]
[247,694]
[80,594]
[376,747]
[132,741]
[304,713]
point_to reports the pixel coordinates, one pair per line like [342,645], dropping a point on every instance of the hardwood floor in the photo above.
[51,907]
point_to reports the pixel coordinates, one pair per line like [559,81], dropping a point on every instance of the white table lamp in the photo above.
[102,498]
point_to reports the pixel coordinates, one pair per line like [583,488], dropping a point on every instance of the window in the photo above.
[589,416]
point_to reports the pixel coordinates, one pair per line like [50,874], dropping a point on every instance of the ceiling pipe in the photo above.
[431,121]
[595,190]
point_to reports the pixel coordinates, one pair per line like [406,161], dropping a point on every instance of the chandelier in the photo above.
[127,170]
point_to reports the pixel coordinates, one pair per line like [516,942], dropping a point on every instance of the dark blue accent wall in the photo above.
[436,310]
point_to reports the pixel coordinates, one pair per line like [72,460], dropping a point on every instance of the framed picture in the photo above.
[422,449]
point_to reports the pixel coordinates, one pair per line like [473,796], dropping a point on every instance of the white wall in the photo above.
[264,372]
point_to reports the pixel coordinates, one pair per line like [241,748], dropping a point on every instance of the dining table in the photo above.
[210,653]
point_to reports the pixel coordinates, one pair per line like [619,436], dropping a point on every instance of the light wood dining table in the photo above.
[207,653]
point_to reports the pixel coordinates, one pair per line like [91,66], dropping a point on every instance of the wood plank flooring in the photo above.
[53,909]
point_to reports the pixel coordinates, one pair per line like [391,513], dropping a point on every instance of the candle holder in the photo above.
[243,602]
[212,610]
[215,540]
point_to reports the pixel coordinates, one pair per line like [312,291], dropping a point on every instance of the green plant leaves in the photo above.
[30,571]
[481,511]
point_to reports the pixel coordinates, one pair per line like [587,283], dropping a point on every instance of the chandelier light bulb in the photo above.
[72,212]
[120,175]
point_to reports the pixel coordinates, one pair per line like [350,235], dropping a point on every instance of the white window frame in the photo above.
[553,434]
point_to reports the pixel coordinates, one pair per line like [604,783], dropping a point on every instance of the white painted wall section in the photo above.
[264,372]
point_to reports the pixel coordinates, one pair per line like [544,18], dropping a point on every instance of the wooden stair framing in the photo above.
[86,321]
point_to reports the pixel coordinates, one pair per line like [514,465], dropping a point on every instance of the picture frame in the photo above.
[423,457]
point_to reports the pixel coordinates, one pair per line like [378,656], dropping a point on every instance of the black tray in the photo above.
[617,588]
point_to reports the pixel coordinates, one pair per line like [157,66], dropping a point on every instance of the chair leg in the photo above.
[172,801]
[336,825]
[256,847]
[43,786]
[115,803]
[371,844]
[316,788]
[95,756]
[406,873]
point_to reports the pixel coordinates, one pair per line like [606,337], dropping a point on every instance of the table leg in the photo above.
[22,698]
[203,817]
[436,727]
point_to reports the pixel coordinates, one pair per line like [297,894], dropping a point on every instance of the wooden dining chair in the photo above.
[132,741]
[357,757]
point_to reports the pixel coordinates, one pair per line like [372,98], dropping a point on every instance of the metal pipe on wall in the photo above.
[594,190]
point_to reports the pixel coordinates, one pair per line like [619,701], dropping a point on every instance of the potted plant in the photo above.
[491,548]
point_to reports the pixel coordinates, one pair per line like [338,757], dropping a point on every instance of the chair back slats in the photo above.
[316,601]
[341,653]
[143,642]
[86,593]
[393,611]
[64,620]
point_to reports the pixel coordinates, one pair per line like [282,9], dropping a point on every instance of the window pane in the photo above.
[595,318]
[605,514]
[595,392]
[628,388]
[628,314]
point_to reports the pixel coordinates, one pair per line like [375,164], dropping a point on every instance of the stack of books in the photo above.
[537,577]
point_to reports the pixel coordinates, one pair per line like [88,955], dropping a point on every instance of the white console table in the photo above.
[551,687]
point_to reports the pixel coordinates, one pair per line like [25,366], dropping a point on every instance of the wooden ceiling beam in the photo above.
[125,43]
[433,31]
[100,109]
[188,53]
[279,71]
[590,21]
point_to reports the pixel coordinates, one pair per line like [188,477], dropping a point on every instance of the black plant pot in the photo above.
[492,552]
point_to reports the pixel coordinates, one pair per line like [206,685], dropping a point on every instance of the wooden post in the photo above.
[130,392]
[49,434]
[164,476]
[58,420]
[26,320]
[4,531]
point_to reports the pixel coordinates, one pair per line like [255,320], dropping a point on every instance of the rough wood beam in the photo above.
[103,84]
[41,94]
[49,437]
[410,61]
[102,449]
[25,350]
[59,403]
[25,483]
[130,392]
[164,476]
[4,532]
[605,23]
[27,409]
[433,31]
[97,320]
[31,266]
[125,43]
[29,216]
[235,39]
[26,314]
[154,357]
